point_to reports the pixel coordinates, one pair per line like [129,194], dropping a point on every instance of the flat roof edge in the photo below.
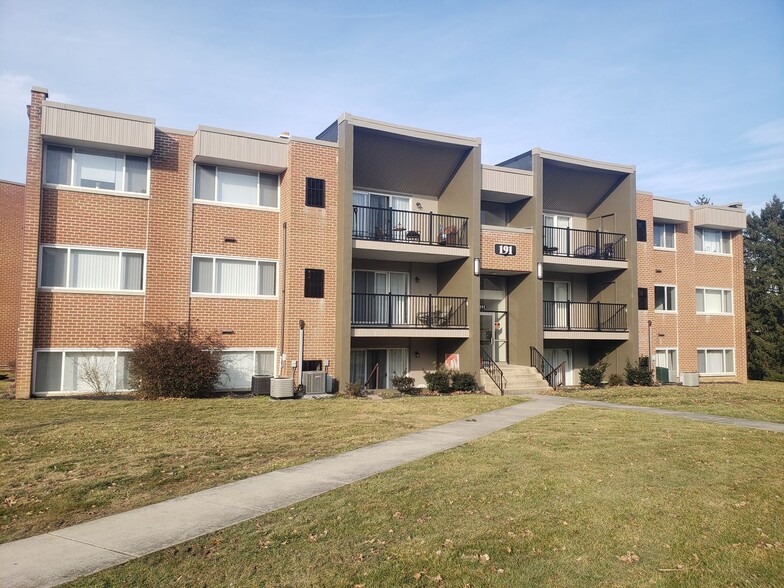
[584,161]
[241,134]
[511,170]
[87,110]
[438,136]
[2,181]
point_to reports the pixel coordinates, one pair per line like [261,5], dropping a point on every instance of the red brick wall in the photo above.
[24,360]
[11,221]
[687,270]
[312,244]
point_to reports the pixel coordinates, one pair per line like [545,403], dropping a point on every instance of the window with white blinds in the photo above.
[230,276]
[712,241]
[240,365]
[102,170]
[714,301]
[235,186]
[82,268]
[78,370]
[716,362]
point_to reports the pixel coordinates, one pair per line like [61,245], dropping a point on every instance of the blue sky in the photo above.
[692,93]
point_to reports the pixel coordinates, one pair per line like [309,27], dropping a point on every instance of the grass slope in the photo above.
[578,497]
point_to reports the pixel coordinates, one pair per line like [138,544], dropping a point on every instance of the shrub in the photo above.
[593,375]
[465,381]
[438,380]
[638,375]
[403,384]
[175,360]
[353,389]
[615,380]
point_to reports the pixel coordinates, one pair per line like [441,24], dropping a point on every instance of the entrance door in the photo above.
[390,362]
[487,333]
[555,239]
[558,356]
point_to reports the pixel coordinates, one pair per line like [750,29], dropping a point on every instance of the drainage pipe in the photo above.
[282,307]
[301,350]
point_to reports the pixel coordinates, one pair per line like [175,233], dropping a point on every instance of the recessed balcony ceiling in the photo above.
[575,188]
[403,164]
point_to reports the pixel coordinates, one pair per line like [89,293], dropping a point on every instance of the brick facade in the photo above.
[11,219]
[686,269]
[521,262]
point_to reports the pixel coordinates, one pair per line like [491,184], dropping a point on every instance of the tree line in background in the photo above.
[764,270]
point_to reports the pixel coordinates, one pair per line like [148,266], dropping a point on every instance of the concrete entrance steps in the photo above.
[520,379]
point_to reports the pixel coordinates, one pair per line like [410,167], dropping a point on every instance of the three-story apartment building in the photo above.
[394,247]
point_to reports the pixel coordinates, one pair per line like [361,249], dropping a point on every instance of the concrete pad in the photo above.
[46,560]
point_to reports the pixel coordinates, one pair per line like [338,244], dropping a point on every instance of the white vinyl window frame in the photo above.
[253,350]
[70,248]
[216,202]
[66,350]
[216,258]
[668,352]
[667,287]
[725,351]
[76,188]
[725,295]
[699,235]
[668,231]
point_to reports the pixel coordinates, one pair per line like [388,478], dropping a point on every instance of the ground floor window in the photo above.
[81,370]
[241,365]
[716,362]
[377,367]
[667,358]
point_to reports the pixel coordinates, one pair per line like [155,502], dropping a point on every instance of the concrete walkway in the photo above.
[66,554]
[71,552]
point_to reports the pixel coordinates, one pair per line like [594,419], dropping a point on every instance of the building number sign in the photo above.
[505,250]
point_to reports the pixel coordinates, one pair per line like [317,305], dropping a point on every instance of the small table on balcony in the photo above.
[548,250]
[437,318]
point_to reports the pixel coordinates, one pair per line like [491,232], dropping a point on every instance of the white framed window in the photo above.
[239,187]
[714,301]
[667,357]
[712,241]
[234,276]
[68,371]
[97,170]
[665,298]
[716,362]
[664,236]
[91,269]
[240,365]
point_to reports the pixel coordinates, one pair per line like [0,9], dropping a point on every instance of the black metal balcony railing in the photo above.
[403,226]
[406,310]
[584,316]
[563,242]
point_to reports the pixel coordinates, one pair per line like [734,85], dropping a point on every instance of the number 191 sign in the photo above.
[505,250]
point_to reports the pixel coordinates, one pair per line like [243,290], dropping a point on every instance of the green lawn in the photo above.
[67,461]
[762,401]
[577,497]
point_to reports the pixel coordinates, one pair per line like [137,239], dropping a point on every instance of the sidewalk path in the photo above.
[71,552]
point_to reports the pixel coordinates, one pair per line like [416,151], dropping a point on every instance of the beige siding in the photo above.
[254,151]
[670,210]
[732,219]
[94,128]
[508,181]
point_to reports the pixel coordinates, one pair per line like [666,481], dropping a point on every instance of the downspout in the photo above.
[281,359]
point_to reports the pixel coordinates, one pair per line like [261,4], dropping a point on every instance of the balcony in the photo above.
[406,315]
[582,244]
[585,320]
[420,228]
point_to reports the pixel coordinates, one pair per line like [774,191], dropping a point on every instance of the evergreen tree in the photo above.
[764,269]
[702,200]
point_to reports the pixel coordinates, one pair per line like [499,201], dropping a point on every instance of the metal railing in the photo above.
[403,226]
[407,310]
[564,242]
[491,368]
[584,316]
[555,376]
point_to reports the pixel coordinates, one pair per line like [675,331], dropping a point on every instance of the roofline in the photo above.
[721,207]
[564,158]
[511,170]
[666,199]
[110,113]
[410,131]
[241,134]
[12,182]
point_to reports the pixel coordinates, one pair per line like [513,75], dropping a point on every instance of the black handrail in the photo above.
[584,316]
[408,310]
[544,367]
[491,368]
[565,242]
[404,226]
